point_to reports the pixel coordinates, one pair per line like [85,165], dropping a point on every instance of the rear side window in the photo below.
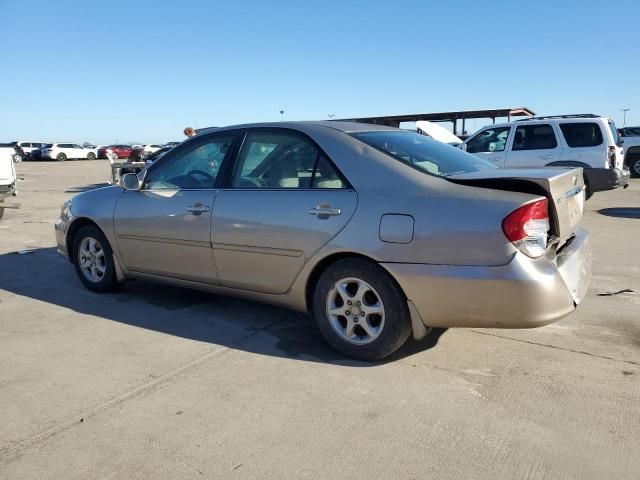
[283,160]
[581,134]
[489,140]
[614,132]
[534,137]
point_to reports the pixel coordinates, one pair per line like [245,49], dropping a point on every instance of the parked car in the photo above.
[149,159]
[67,151]
[29,147]
[121,151]
[586,141]
[7,174]
[17,154]
[149,149]
[631,143]
[171,144]
[377,231]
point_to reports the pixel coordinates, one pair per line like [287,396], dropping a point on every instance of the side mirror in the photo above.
[463,147]
[130,181]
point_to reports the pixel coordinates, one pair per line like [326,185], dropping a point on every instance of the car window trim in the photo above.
[227,183]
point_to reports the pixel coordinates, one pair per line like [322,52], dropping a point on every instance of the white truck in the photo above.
[631,144]
[7,177]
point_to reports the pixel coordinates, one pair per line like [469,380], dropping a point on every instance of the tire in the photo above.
[1,209]
[634,166]
[18,158]
[101,260]
[364,280]
[61,157]
[91,156]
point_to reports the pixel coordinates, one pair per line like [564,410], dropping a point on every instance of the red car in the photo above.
[123,151]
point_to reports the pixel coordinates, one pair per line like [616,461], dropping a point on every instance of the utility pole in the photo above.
[624,121]
[282,115]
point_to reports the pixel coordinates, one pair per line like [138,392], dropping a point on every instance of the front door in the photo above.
[534,145]
[284,202]
[165,228]
[490,144]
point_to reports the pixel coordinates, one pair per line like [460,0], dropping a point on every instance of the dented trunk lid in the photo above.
[564,187]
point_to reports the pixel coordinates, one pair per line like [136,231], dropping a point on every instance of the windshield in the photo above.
[423,153]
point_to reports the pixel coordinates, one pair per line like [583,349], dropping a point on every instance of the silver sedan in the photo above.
[379,232]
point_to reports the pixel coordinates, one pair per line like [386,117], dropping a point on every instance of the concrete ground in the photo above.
[159,382]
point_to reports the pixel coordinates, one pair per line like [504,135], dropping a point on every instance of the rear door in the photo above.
[533,145]
[490,144]
[283,201]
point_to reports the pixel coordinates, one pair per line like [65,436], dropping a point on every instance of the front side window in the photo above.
[489,140]
[194,168]
[534,137]
[581,134]
[283,160]
[423,153]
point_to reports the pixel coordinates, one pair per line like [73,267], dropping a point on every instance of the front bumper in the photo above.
[61,227]
[601,179]
[522,294]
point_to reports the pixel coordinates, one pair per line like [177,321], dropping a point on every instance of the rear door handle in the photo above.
[198,208]
[324,211]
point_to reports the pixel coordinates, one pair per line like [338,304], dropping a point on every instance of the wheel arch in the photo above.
[326,262]
[73,230]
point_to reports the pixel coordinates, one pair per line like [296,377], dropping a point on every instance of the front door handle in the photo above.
[546,157]
[324,211]
[198,208]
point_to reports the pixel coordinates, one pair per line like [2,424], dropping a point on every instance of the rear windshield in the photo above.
[423,153]
[614,132]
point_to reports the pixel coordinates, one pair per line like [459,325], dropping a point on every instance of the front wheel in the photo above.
[93,259]
[61,157]
[91,156]
[634,166]
[17,158]
[360,310]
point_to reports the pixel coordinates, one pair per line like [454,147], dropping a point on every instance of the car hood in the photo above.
[437,132]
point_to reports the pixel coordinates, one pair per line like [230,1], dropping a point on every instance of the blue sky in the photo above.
[143,70]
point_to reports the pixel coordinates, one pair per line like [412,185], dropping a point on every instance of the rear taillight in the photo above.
[528,227]
[612,157]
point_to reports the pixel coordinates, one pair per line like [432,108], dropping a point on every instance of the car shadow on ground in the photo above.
[631,212]
[44,275]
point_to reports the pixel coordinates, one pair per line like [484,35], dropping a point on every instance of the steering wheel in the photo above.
[208,177]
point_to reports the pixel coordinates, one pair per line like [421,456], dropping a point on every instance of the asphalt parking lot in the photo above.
[161,382]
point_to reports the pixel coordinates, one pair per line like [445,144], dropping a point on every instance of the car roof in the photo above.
[346,127]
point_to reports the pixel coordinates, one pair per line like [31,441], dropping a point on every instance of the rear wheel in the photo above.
[360,310]
[91,156]
[18,158]
[93,259]
[61,157]
[634,166]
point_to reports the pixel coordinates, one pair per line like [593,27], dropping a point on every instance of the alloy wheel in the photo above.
[92,260]
[355,311]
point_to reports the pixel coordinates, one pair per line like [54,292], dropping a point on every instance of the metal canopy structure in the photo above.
[453,117]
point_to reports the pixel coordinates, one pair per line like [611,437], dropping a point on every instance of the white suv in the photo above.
[64,151]
[588,141]
[29,147]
